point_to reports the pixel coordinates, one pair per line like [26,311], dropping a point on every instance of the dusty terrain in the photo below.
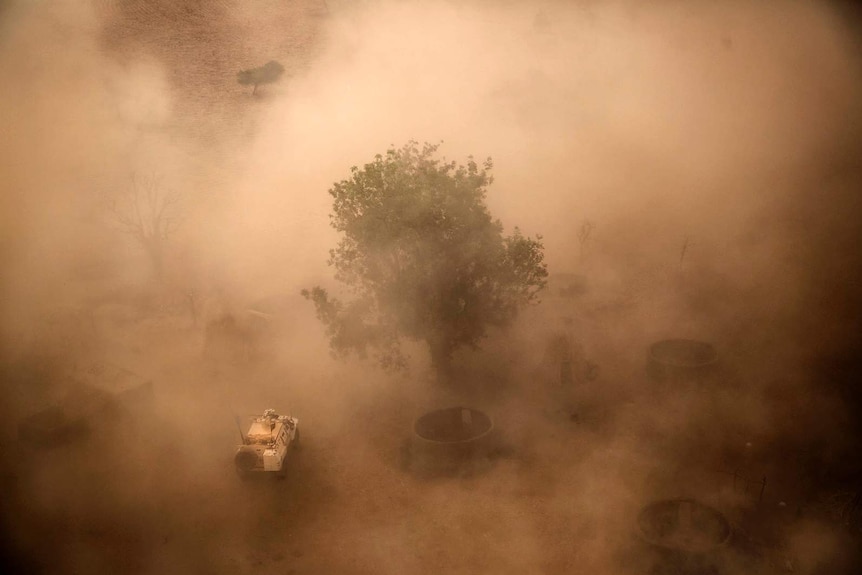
[719,161]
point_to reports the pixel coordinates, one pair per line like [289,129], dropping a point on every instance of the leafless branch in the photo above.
[584,235]
[685,245]
[146,210]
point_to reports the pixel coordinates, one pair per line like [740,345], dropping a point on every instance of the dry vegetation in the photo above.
[694,171]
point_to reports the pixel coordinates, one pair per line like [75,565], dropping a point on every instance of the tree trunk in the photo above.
[441,358]
[193,308]
[254,90]
[154,249]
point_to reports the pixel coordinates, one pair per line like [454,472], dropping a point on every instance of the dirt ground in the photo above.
[157,493]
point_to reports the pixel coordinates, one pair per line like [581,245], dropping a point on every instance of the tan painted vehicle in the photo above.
[266,445]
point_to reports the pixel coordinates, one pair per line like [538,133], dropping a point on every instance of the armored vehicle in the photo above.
[266,445]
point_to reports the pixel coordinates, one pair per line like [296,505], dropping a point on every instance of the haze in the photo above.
[713,147]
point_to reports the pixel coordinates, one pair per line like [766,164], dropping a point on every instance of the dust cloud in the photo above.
[692,167]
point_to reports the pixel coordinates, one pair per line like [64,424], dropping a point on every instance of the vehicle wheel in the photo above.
[245,461]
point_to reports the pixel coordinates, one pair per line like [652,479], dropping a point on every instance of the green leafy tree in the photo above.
[266,74]
[422,258]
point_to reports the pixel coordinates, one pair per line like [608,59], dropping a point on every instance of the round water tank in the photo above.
[680,359]
[683,526]
[446,440]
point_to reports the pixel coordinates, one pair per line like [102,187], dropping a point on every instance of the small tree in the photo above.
[423,259]
[148,212]
[266,74]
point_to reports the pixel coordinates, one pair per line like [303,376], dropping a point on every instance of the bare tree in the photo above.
[149,213]
[686,243]
[584,236]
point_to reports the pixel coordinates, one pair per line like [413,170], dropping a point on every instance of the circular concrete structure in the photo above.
[683,526]
[447,440]
[681,359]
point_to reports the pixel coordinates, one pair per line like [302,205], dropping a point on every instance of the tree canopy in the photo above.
[422,258]
[266,74]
